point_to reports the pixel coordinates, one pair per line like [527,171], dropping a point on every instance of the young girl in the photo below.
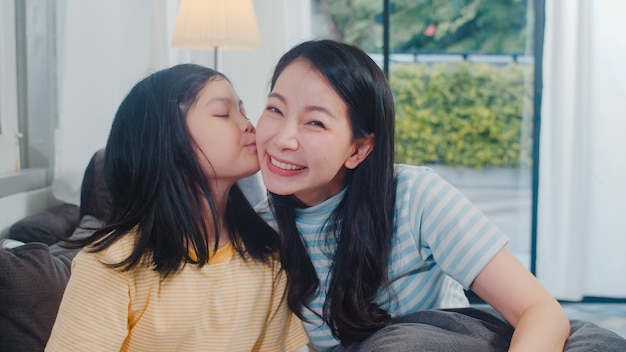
[184,263]
[369,247]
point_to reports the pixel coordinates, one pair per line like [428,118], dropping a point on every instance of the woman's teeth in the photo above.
[285,166]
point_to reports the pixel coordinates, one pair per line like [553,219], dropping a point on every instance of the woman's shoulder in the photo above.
[410,173]
[419,184]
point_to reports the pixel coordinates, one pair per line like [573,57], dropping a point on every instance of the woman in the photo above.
[369,246]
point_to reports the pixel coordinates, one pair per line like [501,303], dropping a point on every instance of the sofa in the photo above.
[33,275]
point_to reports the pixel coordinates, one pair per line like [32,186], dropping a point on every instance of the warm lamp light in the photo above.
[216,24]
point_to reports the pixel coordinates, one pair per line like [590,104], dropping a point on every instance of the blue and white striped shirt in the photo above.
[438,234]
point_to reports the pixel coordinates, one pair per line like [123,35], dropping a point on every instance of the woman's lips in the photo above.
[285,165]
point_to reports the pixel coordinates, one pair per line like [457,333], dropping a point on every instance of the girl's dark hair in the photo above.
[363,222]
[157,185]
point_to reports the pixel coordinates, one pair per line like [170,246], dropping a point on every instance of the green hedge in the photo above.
[463,114]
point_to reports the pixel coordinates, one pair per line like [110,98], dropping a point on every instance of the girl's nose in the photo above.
[248,127]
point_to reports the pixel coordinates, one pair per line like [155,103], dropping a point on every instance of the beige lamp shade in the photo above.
[216,24]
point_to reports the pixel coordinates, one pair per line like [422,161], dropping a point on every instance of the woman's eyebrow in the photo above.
[321,109]
[307,108]
[277,96]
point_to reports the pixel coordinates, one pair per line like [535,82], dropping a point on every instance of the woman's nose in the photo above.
[287,136]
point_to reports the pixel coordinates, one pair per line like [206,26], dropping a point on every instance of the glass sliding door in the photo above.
[462,77]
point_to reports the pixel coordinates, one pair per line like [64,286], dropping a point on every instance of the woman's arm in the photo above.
[539,320]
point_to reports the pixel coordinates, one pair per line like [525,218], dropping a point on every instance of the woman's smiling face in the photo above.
[304,138]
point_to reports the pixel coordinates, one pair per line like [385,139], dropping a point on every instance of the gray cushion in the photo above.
[95,198]
[49,226]
[32,281]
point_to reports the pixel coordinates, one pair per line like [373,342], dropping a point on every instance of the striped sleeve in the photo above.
[459,237]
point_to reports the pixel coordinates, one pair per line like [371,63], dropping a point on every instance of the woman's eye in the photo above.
[316,123]
[273,110]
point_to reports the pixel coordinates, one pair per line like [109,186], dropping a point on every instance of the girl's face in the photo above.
[223,134]
[304,137]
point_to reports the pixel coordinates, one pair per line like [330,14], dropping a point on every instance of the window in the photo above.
[9,132]
[28,91]
[462,73]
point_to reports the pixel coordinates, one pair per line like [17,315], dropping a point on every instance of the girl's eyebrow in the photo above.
[225,100]
[307,108]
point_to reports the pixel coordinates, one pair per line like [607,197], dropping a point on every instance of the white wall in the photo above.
[105,47]
[282,24]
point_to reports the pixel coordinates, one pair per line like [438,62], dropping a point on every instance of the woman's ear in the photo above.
[362,148]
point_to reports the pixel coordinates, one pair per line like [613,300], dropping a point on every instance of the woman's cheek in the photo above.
[263,128]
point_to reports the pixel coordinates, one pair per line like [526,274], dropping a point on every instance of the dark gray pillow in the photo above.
[32,281]
[95,198]
[47,226]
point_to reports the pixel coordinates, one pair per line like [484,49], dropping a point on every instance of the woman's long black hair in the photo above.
[157,185]
[363,222]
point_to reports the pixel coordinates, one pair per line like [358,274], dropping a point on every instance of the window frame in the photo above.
[9,132]
[36,87]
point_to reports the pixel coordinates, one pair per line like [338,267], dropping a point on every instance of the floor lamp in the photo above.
[216,24]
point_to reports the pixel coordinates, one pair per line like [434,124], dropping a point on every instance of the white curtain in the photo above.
[581,233]
[105,47]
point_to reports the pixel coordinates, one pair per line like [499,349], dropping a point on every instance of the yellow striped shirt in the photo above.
[228,305]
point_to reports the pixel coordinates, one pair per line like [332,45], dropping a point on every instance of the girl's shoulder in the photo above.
[116,252]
